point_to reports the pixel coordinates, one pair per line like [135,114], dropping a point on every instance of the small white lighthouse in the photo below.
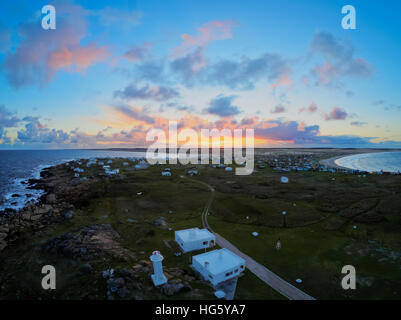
[158,277]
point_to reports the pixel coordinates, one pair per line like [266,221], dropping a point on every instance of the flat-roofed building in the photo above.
[218,266]
[194,239]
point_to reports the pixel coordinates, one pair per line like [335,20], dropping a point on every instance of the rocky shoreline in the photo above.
[55,205]
[93,250]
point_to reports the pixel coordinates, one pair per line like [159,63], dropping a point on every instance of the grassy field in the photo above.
[317,236]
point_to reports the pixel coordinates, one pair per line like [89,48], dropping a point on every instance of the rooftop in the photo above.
[219,260]
[194,234]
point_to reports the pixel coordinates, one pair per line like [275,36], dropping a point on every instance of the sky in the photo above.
[113,70]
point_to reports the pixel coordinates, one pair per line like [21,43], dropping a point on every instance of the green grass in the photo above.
[317,241]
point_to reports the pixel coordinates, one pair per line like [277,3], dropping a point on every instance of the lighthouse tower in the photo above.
[158,277]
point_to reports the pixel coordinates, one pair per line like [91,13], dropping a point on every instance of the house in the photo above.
[284,180]
[218,266]
[141,165]
[112,172]
[194,239]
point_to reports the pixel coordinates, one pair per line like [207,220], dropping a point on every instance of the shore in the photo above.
[330,162]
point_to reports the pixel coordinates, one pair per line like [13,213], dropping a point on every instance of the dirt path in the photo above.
[264,274]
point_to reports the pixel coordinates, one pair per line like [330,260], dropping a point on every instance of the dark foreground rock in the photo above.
[89,243]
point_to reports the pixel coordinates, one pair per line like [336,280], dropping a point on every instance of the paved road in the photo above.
[264,274]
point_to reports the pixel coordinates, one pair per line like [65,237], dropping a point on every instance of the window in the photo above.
[229,274]
[210,276]
[242,267]
[236,270]
[205,243]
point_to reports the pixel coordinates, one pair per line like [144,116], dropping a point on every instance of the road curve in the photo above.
[270,278]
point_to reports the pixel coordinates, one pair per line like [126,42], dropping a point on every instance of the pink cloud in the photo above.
[336,114]
[279,109]
[284,80]
[41,53]
[312,108]
[80,57]
[209,32]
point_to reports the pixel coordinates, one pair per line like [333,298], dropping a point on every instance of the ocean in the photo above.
[17,166]
[372,162]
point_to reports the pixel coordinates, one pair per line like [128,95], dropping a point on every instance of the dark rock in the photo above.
[86,268]
[160,222]
[122,292]
[170,289]
[68,214]
[51,198]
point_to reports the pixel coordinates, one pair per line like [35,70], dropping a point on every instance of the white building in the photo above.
[194,239]
[218,265]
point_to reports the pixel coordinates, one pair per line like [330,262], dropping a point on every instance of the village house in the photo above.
[194,239]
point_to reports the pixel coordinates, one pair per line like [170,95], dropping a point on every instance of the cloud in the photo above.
[358,123]
[387,105]
[188,66]
[133,113]
[279,109]
[36,132]
[138,53]
[339,60]
[237,74]
[312,108]
[222,106]
[41,53]
[244,73]
[158,93]
[137,121]
[208,32]
[336,114]
[80,58]
[5,38]
[176,106]
[7,118]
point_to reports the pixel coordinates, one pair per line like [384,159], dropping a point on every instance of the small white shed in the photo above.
[194,239]
[218,265]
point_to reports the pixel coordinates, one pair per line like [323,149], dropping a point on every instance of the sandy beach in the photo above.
[331,162]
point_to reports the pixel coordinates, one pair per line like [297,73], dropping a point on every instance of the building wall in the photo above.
[217,278]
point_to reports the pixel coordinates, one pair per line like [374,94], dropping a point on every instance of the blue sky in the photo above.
[114,69]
